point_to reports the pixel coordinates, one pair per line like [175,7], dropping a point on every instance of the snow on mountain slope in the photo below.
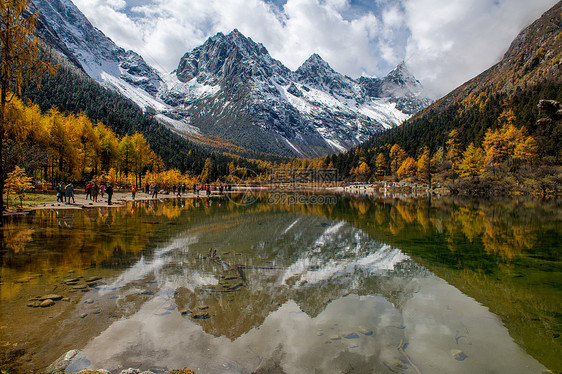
[230,87]
[96,53]
[314,110]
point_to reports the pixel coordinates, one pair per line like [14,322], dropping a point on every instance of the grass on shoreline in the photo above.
[31,199]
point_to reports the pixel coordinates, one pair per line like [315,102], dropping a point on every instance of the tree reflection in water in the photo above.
[350,276]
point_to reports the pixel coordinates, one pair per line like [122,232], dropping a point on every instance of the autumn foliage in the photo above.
[56,146]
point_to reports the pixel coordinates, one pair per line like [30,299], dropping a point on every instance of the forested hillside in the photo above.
[71,92]
[433,127]
[501,101]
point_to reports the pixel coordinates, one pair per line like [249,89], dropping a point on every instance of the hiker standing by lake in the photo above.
[69,192]
[88,190]
[109,191]
[95,191]
[60,192]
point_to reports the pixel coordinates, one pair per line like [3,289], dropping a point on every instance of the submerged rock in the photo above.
[236,286]
[130,371]
[458,354]
[200,316]
[351,335]
[365,331]
[46,303]
[72,361]
[161,312]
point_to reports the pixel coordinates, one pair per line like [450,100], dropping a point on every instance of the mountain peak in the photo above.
[316,61]
[400,82]
[222,57]
[63,25]
[236,33]
[237,37]
[401,67]
[401,70]
[314,69]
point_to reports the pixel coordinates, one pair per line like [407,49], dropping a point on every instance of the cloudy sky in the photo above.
[444,42]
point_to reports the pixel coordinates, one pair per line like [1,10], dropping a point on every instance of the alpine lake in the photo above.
[336,284]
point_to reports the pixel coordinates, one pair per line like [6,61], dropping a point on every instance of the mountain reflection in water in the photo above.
[287,291]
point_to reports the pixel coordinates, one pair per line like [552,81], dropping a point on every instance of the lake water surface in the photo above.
[355,285]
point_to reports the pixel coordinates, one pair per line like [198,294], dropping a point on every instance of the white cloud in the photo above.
[118,26]
[453,41]
[444,42]
[393,17]
[118,4]
[344,44]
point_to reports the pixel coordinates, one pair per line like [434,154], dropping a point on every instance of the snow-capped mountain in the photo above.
[231,88]
[250,96]
[66,29]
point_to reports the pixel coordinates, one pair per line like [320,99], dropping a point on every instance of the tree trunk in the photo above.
[2,106]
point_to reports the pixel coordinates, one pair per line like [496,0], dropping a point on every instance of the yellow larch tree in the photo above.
[381,164]
[424,166]
[362,172]
[144,156]
[397,157]
[472,161]
[454,150]
[18,182]
[408,168]
[19,51]
[526,151]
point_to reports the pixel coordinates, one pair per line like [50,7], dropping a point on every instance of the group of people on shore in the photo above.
[207,188]
[93,190]
[176,190]
[65,192]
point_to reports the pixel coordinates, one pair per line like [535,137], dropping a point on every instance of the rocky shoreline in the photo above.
[80,202]
[76,359]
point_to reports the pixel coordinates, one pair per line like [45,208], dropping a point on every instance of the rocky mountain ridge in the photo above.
[231,88]
[67,30]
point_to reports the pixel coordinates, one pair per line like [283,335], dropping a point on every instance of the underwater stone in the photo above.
[46,303]
[458,354]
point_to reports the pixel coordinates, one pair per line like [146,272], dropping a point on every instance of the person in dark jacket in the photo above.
[109,191]
[69,192]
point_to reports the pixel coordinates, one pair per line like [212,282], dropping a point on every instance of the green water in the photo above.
[353,285]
